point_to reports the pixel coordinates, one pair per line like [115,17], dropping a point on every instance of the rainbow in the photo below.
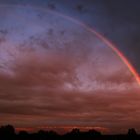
[121,56]
[90,29]
[110,45]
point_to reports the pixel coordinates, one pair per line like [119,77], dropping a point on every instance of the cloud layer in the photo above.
[62,75]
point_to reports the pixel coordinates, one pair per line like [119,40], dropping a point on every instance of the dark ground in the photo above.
[8,133]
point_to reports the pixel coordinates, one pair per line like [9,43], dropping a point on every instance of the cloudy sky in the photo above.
[56,73]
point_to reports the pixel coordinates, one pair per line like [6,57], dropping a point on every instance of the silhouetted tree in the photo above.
[132,132]
[7,132]
[94,132]
[75,131]
[42,134]
[23,135]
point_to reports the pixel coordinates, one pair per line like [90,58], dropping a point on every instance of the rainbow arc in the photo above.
[101,37]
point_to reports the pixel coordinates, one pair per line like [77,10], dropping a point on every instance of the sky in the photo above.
[55,73]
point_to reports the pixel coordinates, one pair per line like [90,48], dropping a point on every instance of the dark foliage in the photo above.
[8,133]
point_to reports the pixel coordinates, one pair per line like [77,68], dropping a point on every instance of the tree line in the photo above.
[8,132]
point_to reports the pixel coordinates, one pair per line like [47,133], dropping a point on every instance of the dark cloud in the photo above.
[37,89]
